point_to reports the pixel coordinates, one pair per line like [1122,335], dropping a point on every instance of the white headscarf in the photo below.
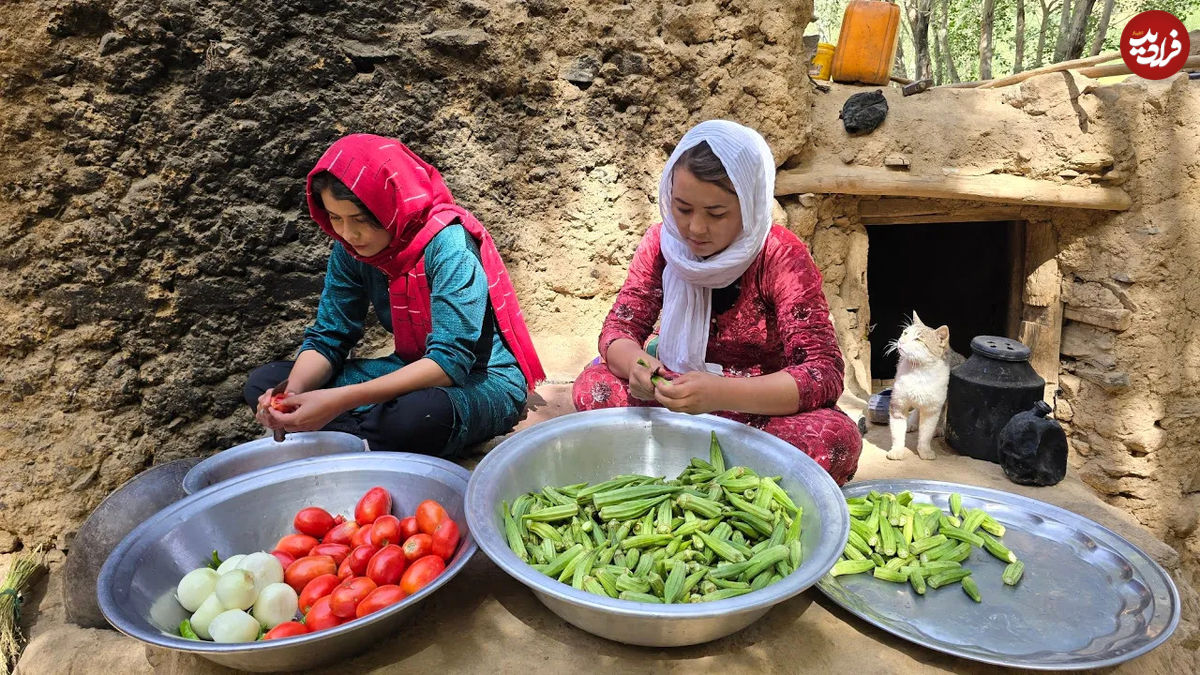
[688,280]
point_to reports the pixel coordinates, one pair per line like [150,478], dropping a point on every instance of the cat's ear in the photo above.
[917,319]
[943,334]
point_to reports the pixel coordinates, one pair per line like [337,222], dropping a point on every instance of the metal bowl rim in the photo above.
[495,548]
[193,474]
[291,469]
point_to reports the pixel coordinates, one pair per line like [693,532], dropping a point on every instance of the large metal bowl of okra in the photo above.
[657,542]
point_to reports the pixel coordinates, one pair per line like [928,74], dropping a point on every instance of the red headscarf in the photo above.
[407,196]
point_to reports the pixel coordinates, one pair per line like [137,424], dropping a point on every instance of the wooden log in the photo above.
[1122,69]
[1041,327]
[859,180]
[1112,319]
[1052,68]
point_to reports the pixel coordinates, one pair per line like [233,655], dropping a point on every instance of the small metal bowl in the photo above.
[597,445]
[265,452]
[137,584]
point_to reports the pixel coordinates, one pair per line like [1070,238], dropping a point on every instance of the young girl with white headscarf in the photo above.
[744,326]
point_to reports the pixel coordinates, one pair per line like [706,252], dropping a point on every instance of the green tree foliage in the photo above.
[963,21]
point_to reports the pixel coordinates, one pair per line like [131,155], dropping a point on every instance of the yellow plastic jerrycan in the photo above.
[867,44]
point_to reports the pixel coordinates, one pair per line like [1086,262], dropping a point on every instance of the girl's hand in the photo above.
[640,386]
[264,414]
[692,392]
[312,410]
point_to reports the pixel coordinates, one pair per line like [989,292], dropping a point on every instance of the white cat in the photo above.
[920,387]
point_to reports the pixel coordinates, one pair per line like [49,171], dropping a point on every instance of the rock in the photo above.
[8,541]
[1112,319]
[463,42]
[111,42]
[1083,341]
[1069,174]
[896,162]
[139,498]
[1110,381]
[1091,162]
[778,215]
[582,72]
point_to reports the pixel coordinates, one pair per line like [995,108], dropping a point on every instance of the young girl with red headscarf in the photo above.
[463,363]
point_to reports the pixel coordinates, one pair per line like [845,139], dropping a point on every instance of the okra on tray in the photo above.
[711,533]
[902,541]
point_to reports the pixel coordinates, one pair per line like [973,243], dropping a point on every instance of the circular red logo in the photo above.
[1155,44]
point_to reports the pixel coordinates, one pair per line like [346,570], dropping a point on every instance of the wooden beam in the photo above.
[1052,68]
[1122,69]
[1002,188]
[1041,327]
[901,211]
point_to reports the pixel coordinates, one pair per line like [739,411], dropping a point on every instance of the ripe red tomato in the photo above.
[360,557]
[305,569]
[313,521]
[430,514]
[418,546]
[336,551]
[408,527]
[387,566]
[345,598]
[376,502]
[296,545]
[315,590]
[277,402]
[385,530]
[283,630]
[344,572]
[362,536]
[284,558]
[321,616]
[421,573]
[445,539]
[378,599]
[341,534]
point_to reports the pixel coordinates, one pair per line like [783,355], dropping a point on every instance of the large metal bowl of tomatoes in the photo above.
[355,540]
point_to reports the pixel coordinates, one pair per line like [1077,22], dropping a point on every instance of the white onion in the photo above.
[195,587]
[275,605]
[209,609]
[234,625]
[235,590]
[230,564]
[265,567]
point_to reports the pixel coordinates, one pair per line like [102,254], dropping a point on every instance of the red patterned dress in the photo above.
[779,320]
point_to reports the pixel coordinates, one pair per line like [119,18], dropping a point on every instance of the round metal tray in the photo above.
[1088,598]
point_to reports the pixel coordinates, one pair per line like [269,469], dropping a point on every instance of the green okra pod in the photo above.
[842,567]
[553,513]
[969,587]
[893,576]
[1000,551]
[947,577]
[1012,573]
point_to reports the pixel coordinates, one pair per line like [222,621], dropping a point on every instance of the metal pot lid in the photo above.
[1000,348]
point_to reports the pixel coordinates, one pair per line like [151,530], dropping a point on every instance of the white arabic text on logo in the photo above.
[1154,54]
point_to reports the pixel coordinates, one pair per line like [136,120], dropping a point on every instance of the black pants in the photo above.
[421,421]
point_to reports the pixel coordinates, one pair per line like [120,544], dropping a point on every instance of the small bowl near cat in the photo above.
[877,407]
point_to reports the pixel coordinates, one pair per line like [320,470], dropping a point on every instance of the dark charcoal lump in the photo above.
[1033,449]
[863,112]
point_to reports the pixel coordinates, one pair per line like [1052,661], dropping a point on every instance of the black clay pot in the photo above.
[996,383]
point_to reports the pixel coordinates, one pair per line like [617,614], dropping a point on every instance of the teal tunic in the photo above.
[489,389]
